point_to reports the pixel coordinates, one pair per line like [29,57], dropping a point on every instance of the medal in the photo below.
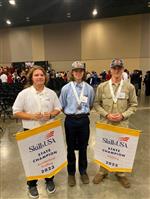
[78,98]
[79,107]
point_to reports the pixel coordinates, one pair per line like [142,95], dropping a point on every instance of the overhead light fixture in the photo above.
[95,12]
[27,19]
[68,15]
[148,4]
[8,22]
[12,2]
[0,3]
[67,1]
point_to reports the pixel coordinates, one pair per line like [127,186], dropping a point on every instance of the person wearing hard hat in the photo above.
[77,99]
[115,102]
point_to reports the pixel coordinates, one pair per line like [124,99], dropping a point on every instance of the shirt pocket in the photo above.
[123,103]
[107,101]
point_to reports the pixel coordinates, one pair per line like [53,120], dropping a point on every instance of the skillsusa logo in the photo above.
[120,142]
[49,134]
[123,139]
[48,140]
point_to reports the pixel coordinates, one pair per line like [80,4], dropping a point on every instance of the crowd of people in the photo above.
[15,79]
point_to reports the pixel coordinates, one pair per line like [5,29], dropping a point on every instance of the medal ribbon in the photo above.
[115,97]
[76,94]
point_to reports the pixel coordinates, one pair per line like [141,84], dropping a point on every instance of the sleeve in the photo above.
[132,103]
[57,105]
[62,98]
[92,95]
[18,105]
[98,102]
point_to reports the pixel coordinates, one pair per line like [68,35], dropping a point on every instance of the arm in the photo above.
[19,106]
[55,111]
[98,102]
[132,103]
[28,116]
[62,98]
[92,95]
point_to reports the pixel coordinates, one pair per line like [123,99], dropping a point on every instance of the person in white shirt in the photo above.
[3,78]
[37,105]
[125,75]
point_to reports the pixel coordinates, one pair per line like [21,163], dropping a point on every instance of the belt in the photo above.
[77,116]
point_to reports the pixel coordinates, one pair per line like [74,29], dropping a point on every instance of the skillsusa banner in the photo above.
[42,150]
[115,147]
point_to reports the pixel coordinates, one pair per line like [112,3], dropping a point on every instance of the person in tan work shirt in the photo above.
[115,101]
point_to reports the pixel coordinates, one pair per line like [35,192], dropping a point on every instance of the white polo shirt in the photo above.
[31,101]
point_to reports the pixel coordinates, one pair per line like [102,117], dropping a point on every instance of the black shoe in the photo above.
[33,192]
[50,187]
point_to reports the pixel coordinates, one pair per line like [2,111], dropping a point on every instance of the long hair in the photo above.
[30,75]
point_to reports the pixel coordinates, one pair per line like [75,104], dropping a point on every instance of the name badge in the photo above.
[122,95]
[84,99]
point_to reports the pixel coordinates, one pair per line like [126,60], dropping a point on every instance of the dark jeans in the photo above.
[33,183]
[77,136]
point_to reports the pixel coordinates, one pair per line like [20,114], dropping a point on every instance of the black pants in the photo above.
[77,136]
[33,183]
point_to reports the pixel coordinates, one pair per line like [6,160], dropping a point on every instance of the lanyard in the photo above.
[115,97]
[79,99]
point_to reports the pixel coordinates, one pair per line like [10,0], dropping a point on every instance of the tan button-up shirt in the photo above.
[126,106]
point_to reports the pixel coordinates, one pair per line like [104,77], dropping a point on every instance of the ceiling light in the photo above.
[94,12]
[67,1]
[12,2]
[8,22]
[0,3]
[27,19]
[68,15]
[148,4]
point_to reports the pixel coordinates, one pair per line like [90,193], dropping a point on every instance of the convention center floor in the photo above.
[12,176]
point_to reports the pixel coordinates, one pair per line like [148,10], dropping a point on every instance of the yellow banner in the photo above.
[118,129]
[115,147]
[29,133]
[48,175]
[42,150]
